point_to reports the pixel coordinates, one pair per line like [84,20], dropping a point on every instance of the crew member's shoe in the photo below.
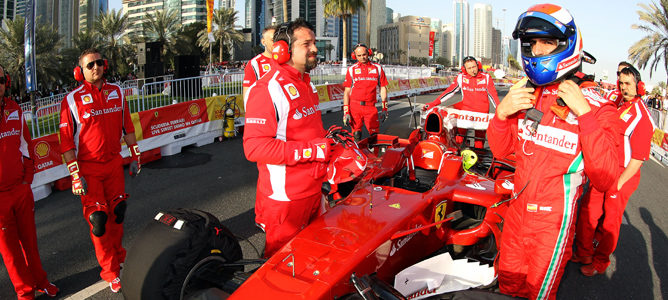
[590,270]
[585,260]
[115,285]
[50,290]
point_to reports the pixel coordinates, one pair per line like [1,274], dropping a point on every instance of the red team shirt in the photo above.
[637,129]
[93,122]
[477,92]
[256,68]
[363,79]
[284,116]
[14,142]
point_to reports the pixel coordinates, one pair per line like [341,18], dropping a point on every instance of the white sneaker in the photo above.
[115,285]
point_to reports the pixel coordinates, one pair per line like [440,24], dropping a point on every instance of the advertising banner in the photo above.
[46,153]
[468,119]
[170,118]
[431,43]
[658,137]
[393,86]
[414,83]
[404,84]
[323,94]
[335,92]
[423,83]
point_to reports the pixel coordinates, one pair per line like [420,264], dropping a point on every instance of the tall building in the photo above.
[436,25]
[378,18]
[187,11]
[226,4]
[7,10]
[447,42]
[482,31]
[90,9]
[68,20]
[497,51]
[334,28]
[20,7]
[388,14]
[460,10]
[394,39]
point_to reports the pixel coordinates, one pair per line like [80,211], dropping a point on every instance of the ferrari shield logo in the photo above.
[439,212]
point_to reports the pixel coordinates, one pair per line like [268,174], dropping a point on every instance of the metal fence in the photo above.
[145,94]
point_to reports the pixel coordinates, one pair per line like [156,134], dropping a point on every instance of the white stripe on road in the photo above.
[657,161]
[89,291]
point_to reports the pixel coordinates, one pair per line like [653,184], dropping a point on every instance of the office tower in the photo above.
[187,11]
[482,31]
[461,30]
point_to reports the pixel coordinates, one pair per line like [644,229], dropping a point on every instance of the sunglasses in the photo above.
[99,63]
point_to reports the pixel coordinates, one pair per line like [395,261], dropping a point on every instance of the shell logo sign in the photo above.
[292,90]
[42,149]
[194,110]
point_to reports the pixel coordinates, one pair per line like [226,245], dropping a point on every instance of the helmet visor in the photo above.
[537,24]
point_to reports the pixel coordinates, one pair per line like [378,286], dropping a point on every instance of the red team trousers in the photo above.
[18,241]
[594,205]
[284,219]
[106,189]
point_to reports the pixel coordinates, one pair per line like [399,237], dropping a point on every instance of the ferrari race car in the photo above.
[411,199]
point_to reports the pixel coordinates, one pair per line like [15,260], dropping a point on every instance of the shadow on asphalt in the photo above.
[185,159]
[659,242]
[631,274]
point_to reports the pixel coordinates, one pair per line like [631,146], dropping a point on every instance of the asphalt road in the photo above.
[217,178]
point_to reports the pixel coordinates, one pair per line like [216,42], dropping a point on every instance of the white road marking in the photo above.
[89,291]
[657,161]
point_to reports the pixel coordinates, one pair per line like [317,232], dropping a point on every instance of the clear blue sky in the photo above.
[605,25]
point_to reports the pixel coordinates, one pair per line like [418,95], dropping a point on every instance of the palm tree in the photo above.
[47,58]
[223,31]
[285,11]
[343,9]
[111,27]
[163,27]
[653,48]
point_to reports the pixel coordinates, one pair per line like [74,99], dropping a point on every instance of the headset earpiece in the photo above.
[640,88]
[8,81]
[106,65]
[479,66]
[370,52]
[353,56]
[78,74]
[281,51]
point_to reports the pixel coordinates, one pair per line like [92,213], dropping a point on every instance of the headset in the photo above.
[8,80]
[353,56]
[640,85]
[473,59]
[78,72]
[282,44]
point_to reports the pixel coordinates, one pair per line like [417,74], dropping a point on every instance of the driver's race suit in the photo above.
[477,94]
[18,238]
[551,167]
[282,120]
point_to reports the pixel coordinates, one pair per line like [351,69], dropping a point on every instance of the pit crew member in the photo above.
[553,153]
[601,213]
[93,118]
[359,94]
[478,93]
[284,135]
[261,63]
[18,238]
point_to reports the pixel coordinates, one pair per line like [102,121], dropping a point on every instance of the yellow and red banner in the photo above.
[404,84]
[431,43]
[323,95]
[209,15]
[335,92]
[46,152]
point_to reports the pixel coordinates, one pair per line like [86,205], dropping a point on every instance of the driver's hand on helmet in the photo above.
[572,95]
[322,149]
[517,99]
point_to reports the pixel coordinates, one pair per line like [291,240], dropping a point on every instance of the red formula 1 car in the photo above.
[414,200]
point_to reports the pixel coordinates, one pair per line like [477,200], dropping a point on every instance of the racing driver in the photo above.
[478,93]
[284,135]
[553,153]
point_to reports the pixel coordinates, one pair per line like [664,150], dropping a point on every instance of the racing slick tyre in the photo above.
[166,252]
